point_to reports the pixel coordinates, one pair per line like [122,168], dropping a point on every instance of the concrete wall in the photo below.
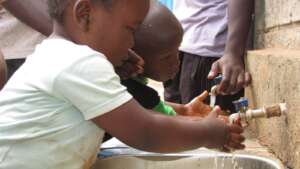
[275,67]
[277,24]
[276,79]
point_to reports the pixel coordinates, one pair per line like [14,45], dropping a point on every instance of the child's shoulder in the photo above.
[63,47]
[65,53]
[56,58]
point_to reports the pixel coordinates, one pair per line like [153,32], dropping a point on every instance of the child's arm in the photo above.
[3,71]
[100,97]
[149,131]
[31,12]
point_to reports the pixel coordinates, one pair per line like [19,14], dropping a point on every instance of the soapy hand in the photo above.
[223,135]
[197,107]
[234,138]
[133,66]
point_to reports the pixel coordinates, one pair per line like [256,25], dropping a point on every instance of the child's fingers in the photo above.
[214,113]
[129,69]
[140,69]
[237,138]
[225,149]
[203,96]
[236,146]
[234,128]
[223,118]
[135,58]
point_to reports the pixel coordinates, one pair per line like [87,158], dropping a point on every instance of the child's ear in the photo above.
[82,13]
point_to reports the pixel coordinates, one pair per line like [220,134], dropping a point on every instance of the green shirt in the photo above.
[163,108]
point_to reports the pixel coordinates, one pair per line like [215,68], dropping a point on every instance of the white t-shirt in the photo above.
[17,40]
[205,26]
[47,104]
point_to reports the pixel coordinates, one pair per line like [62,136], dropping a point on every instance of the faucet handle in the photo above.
[241,105]
[218,79]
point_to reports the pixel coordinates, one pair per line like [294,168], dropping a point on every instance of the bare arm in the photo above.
[231,65]
[148,131]
[34,13]
[240,12]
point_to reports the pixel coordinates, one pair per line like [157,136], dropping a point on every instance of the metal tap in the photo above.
[213,92]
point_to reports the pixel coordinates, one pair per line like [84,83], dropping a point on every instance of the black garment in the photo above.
[13,65]
[191,81]
[145,95]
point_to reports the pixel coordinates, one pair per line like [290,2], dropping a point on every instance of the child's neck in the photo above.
[58,31]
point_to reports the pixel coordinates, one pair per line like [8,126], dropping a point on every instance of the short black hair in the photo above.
[56,8]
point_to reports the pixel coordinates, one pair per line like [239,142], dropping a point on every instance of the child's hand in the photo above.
[221,134]
[235,138]
[197,107]
[133,66]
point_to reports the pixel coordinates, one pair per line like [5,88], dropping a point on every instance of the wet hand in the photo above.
[222,135]
[234,138]
[197,107]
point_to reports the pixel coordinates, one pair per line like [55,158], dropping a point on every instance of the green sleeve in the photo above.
[164,109]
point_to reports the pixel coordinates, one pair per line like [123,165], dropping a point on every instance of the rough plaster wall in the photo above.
[276,78]
[277,24]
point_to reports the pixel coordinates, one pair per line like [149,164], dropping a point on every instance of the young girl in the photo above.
[56,107]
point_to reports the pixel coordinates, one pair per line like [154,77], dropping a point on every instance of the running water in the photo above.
[216,160]
[234,162]
[223,162]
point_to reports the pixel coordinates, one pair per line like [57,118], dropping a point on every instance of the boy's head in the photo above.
[157,41]
[106,26]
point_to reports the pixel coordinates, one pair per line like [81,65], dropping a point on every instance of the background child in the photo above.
[157,41]
[56,107]
[2,71]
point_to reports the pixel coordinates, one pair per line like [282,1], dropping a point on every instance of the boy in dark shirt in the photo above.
[157,41]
